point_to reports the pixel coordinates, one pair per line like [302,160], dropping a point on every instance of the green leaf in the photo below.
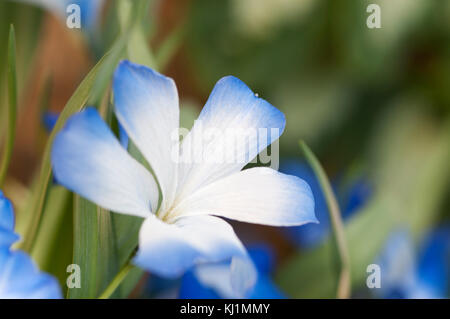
[94,249]
[12,106]
[131,14]
[169,47]
[75,104]
[410,175]
[343,291]
[54,242]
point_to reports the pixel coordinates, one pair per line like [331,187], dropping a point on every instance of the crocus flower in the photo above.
[19,276]
[212,281]
[89,9]
[407,272]
[183,230]
[350,202]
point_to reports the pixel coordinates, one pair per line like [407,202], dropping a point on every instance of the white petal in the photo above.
[257,195]
[170,249]
[232,129]
[88,159]
[146,105]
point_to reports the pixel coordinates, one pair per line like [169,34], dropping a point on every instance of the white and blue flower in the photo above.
[184,229]
[19,276]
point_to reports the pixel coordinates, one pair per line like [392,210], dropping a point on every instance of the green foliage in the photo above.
[12,109]
[399,202]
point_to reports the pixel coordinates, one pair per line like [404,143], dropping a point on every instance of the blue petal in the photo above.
[49,120]
[263,256]
[19,278]
[88,159]
[6,213]
[192,288]
[434,263]
[7,235]
[311,234]
[169,250]
[213,281]
[397,262]
[266,289]
[123,137]
[355,196]
[90,10]
[231,107]
[7,238]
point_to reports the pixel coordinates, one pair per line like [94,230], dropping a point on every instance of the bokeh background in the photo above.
[373,104]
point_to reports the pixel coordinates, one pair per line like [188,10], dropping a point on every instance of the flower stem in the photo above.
[117,280]
[344,284]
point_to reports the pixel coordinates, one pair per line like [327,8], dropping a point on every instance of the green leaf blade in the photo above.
[12,105]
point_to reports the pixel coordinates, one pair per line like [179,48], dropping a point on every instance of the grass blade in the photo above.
[75,104]
[343,291]
[12,106]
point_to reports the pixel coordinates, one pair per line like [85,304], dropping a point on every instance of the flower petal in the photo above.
[20,278]
[6,213]
[146,105]
[232,129]
[170,249]
[257,195]
[7,238]
[88,159]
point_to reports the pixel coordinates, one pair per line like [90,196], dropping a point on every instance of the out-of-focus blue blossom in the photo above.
[49,119]
[19,276]
[354,198]
[434,262]
[89,9]
[7,235]
[410,273]
[213,281]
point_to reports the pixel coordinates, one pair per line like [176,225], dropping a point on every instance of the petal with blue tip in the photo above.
[256,195]
[234,126]
[170,249]
[88,159]
[6,213]
[146,105]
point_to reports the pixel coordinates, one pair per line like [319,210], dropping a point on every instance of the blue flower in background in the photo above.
[89,9]
[311,235]
[19,276]
[409,273]
[49,120]
[184,228]
[7,235]
[213,281]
